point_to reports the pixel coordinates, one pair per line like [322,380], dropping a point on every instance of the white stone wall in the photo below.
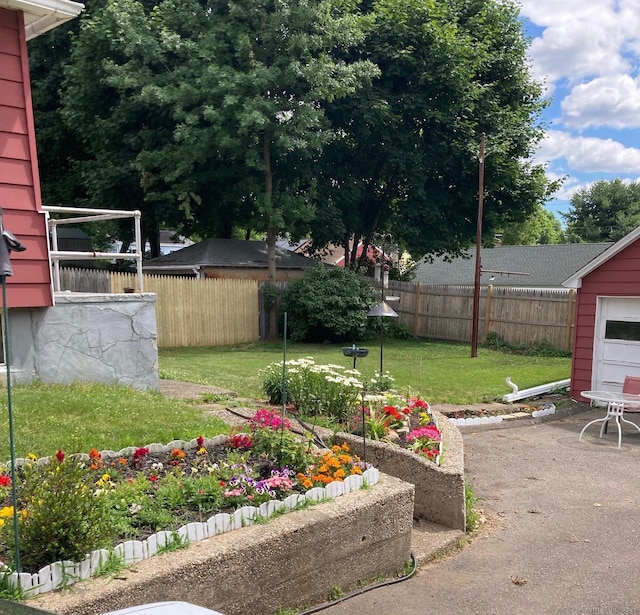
[110,338]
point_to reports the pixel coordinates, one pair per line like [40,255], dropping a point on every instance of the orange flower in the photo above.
[177,453]
[356,470]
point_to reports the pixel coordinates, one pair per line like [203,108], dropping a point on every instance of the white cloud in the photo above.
[589,154]
[582,39]
[607,101]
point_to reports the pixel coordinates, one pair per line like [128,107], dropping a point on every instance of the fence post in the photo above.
[418,287]
[487,312]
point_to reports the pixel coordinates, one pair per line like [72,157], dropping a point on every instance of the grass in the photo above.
[439,372]
[78,417]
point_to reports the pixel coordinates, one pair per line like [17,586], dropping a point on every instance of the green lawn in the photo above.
[77,417]
[439,372]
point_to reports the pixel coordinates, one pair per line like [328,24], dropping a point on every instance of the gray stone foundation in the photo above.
[109,338]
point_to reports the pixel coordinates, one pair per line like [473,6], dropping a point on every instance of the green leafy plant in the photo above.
[541,349]
[174,543]
[9,590]
[472,513]
[328,304]
[313,389]
[60,516]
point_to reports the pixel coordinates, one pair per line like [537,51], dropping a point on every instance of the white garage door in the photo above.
[616,349]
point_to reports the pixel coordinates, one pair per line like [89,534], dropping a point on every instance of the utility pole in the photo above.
[478,269]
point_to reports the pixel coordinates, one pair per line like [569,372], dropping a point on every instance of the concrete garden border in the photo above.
[293,561]
[439,496]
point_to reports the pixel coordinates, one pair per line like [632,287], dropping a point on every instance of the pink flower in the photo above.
[428,432]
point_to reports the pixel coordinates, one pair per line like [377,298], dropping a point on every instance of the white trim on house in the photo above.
[575,281]
[43,15]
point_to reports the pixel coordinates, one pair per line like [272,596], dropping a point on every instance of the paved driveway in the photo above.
[563,531]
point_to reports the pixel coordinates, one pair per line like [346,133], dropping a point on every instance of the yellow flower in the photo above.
[6,511]
[32,457]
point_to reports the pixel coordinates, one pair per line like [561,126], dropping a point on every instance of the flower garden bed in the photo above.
[111,505]
[469,417]
[439,488]
[196,527]
[294,561]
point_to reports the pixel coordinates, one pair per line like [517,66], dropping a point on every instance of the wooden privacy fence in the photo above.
[216,312]
[517,315]
[195,312]
[85,280]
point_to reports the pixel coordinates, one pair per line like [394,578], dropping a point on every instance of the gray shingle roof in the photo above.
[547,265]
[229,253]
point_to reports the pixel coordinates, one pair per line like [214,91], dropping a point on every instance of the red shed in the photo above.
[606,345]
[30,285]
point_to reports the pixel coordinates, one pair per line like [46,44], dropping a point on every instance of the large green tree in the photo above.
[409,159]
[540,227]
[606,211]
[209,114]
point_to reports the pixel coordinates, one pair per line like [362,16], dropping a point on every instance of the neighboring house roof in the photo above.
[575,280]
[73,240]
[227,253]
[331,254]
[547,265]
[296,246]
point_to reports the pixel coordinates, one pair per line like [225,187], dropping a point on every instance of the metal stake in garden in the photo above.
[8,243]
[383,309]
[284,388]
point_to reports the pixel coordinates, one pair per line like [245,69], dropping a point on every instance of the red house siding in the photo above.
[617,277]
[30,285]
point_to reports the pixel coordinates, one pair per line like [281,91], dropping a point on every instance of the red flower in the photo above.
[60,456]
[5,480]
[200,441]
[94,453]
[141,452]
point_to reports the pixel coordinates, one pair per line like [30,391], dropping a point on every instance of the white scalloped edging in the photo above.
[546,410]
[63,574]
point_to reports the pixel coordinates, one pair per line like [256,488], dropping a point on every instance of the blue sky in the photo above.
[587,53]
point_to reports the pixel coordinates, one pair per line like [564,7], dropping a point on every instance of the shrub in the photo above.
[328,305]
[540,349]
[61,517]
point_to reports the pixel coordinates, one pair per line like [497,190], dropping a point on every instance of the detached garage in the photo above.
[606,345]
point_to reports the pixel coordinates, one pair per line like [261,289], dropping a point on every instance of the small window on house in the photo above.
[622,330]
